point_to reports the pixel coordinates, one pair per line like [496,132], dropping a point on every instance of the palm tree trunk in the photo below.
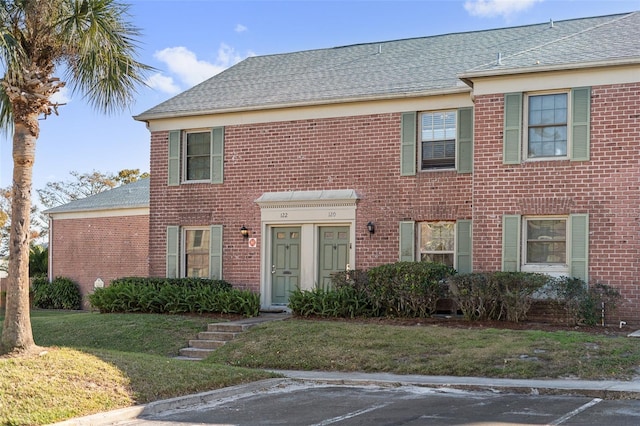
[16,332]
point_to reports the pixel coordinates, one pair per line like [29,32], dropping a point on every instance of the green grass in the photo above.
[432,350]
[98,362]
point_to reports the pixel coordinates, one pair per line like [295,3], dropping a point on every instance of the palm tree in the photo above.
[94,46]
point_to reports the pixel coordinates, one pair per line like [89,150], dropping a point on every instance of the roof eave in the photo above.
[335,101]
[54,210]
[468,76]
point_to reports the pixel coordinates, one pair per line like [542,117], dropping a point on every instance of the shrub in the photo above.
[61,293]
[580,303]
[173,296]
[517,291]
[38,260]
[407,289]
[475,295]
[341,302]
[495,295]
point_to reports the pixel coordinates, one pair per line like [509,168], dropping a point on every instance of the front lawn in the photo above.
[97,362]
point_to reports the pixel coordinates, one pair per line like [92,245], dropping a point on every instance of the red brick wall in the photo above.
[107,248]
[360,153]
[607,187]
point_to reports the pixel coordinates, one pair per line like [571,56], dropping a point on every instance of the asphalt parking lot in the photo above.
[294,402]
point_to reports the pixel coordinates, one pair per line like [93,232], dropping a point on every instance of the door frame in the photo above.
[309,210]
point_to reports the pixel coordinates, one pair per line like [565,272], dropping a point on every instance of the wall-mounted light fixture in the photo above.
[244,231]
[371,228]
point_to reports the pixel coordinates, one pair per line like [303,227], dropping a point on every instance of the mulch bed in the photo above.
[459,322]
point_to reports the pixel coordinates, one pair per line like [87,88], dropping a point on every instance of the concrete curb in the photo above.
[605,389]
[156,407]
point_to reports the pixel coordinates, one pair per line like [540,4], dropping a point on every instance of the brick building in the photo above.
[102,237]
[507,149]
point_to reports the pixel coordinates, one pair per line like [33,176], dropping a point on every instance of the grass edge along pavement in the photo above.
[98,362]
[139,346]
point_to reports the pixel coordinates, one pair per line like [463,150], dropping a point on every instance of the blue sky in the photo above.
[188,41]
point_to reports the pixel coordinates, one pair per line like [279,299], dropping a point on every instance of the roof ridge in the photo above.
[371,43]
[617,17]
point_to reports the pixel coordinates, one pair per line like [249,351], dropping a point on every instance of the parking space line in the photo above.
[576,411]
[350,415]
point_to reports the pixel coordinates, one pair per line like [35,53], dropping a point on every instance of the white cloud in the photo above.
[184,63]
[163,83]
[491,8]
[240,28]
[61,97]
[189,70]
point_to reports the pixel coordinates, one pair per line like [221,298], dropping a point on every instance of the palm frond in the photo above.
[101,53]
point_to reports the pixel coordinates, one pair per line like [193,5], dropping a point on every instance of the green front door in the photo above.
[334,253]
[285,263]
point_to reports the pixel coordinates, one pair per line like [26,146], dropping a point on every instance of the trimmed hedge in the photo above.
[174,296]
[61,293]
[407,289]
[495,295]
[402,289]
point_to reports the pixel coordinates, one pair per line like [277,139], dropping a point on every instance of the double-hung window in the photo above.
[437,242]
[555,245]
[547,126]
[545,244]
[196,156]
[194,251]
[447,242]
[438,140]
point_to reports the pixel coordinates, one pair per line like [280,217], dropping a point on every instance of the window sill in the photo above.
[444,169]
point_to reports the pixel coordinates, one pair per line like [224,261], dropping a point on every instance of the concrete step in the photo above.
[195,353]
[206,344]
[228,327]
[217,335]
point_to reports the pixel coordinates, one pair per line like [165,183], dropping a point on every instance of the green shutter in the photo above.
[408,144]
[174,158]
[580,123]
[173,253]
[407,241]
[464,141]
[512,132]
[579,247]
[215,252]
[511,243]
[463,246]
[217,155]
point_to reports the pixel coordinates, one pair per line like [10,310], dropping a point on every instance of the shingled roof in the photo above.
[133,195]
[404,68]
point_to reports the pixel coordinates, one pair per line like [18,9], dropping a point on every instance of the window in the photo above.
[198,156]
[555,245]
[546,241]
[438,139]
[196,253]
[547,125]
[437,242]
[446,242]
